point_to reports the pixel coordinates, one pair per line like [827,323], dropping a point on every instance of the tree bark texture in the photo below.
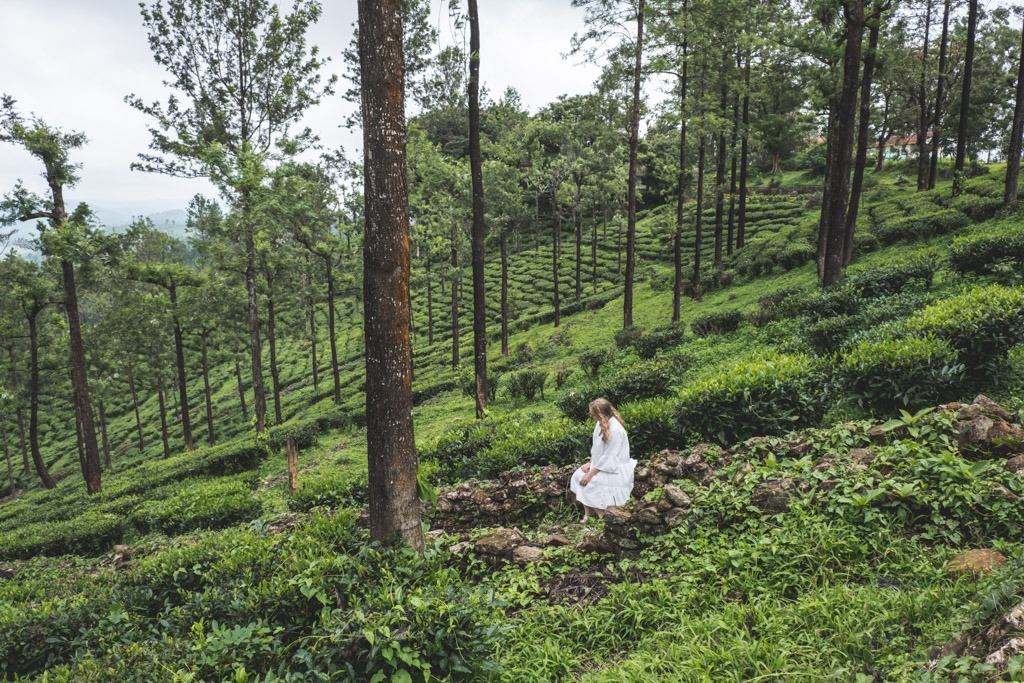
[455,293]
[1010,189]
[634,138]
[33,405]
[103,434]
[504,294]
[723,105]
[259,392]
[741,219]
[135,405]
[275,376]
[965,99]
[80,379]
[331,334]
[862,144]
[241,390]
[163,419]
[211,434]
[394,505]
[677,235]
[922,103]
[940,95]
[179,356]
[479,229]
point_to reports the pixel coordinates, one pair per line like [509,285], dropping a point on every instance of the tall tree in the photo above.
[1010,195]
[479,231]
[965,98]
[62,237]
[242,77]
[940,94]
[922,103]
[391,446]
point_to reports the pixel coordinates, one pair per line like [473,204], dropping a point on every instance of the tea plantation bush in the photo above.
[644,379]
[772,394]
[982,253]
[336,491]
[915,227]
[716,323]
[212,505]
[909,373]
[91,533]
[666,336]
[525,384]
[892,278]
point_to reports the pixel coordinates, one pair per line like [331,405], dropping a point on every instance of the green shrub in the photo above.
[912,228]
[210,505]
[772,394]
[983,253]
[978,208]
[644,379]
[716,323]
[91,533]
[627,337]
[839,300]
[648,345]
[981,324]
[650,426]
[591,361]
[468,380]
[892,278]
[333,491]
[827,335]
[525,383]
[910,373]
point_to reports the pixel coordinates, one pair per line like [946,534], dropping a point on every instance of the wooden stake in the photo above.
[293,468]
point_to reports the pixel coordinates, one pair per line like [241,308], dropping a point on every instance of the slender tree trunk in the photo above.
[455,294]
[312,346]
[135,404]
[179,354]
[241,390]
[391,447]
[922,102]
[1010,193]
[33,405]
[698,224]
[846,123]
[723,105]
[7,455]
[20,413]
[731,222]
[593,251]
[862,143]
[211,434]
[504,295]
[677,235]
[826,188]
[80,447]
[556,252]
[275,376]
[163,419]
[578,217]
[430,305]
[618,246]
[965,99]
[634,137]
[332,334]
[103,434]
[479,229]
[885,133]
[940,95]
[259,395]
[80,379]
[741,219]
[536,220]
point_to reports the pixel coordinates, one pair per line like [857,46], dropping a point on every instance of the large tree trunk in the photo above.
[741,219]
[835,239]
[275,376]
[922,103]
[211,435]
[179,355]
[965,99]
[33,405]
[1017,131]
[80,379]
[940,94]
[862,144]
[394,505]
[479,230]
[259,394]
[135,404]
[634,138]
[332,336]
[504,295]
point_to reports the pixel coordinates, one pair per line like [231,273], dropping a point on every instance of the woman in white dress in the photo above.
[608,478]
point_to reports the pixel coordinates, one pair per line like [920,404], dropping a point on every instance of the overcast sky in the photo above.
[73,61]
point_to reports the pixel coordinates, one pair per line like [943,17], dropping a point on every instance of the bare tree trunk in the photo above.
[862,144]
[259,400]
[677,235]
[741,219]
[731,222]
[593,251]
[179,355]
[578,218]
[430,305]
[22,439]
[455,294]
[7,454]
[332,335]
[504,295]
[135,404]
[965,99]
[885,132]
[698,225]
[103,434]
[33,406]
[211,435]
[1013,155]
[922,103]
[826,188]
[163,419]
[391,447]
[241,390]
[479,230]
[940,95]
[314,361]
[720,172]
[634,137]
[556,252]
[80,379]
[275,376]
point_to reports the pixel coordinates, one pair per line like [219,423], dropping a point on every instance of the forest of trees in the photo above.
[698,101]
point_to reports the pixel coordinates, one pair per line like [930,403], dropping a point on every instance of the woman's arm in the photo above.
[591,472]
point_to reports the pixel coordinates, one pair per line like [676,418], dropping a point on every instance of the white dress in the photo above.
[614,481]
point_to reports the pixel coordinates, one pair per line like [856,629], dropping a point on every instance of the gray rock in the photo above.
[527,554]
[677,497]
[500,543]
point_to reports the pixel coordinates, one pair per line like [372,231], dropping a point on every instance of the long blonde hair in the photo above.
[602,411]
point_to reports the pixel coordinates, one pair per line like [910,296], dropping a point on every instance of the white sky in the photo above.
[73,61]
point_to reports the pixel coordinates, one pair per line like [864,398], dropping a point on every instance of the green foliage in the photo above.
[919,227]
[771,394]
[827,335]
[988,252]
[525,384]
[884,376]
[591,361]
[211,505]
[627,337]
[640,380]
[893,277]
[720,322]
[337,491]
[658,338]
[90,533]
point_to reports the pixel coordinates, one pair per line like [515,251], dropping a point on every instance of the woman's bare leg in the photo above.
[587,512]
